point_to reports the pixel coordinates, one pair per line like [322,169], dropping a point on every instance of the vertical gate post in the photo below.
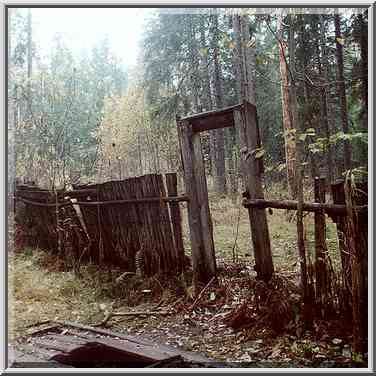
[338,194]
[321,257]
[200,224]
[245,121]
[172,190]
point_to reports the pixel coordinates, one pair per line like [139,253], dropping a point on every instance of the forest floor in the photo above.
[40,289]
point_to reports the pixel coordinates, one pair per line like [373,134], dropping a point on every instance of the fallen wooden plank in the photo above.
[104,331]
[103,348]
[135,313]
[190,356]
[67,339]
[186,355]
[19,359]
[37,324]
[162,363]
[56,345]
[143,313]
[42,331]
[17,355]
[105,352]
[39,352]
[152,353]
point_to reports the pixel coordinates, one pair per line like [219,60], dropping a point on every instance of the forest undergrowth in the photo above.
[238,319]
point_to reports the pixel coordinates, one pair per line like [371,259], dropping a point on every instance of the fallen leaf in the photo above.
[341,41]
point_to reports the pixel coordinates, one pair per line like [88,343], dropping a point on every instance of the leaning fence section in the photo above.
[134,223]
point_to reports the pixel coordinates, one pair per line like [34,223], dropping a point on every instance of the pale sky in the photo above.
[82,28]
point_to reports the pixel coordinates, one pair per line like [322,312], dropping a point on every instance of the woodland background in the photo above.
[75,119]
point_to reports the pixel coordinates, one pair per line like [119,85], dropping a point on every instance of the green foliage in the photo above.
[60,107]
[65,104]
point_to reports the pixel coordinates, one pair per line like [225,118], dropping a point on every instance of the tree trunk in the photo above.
[341,91]
[12,121]
[298,125]
[364,73]
[207,101]
[310,120]
[206,93]
[194,76]
[29,59]
[249,57]
[239,61]
[220,178]
[244,61]
[239,81]
[288,125]
[324,102]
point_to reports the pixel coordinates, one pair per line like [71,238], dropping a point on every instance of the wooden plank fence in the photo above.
[117,222]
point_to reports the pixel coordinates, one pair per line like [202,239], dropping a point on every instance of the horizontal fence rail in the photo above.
[332,209]
[101,203]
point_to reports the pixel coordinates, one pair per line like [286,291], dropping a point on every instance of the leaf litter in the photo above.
[239,320]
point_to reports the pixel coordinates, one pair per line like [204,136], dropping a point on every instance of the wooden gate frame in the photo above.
[244,118]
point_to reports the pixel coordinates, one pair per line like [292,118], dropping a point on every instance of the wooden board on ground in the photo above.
[76,345]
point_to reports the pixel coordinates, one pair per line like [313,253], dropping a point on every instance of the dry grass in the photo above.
[36,294]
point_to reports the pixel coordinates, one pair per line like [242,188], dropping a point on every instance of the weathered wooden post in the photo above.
[252,168]
[358,231]
[353,244]
[321,269]
[200,224]
[172,190]
[338,194]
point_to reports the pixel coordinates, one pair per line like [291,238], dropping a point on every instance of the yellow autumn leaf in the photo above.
[341,41]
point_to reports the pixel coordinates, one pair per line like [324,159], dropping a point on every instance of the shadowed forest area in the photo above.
[210,195]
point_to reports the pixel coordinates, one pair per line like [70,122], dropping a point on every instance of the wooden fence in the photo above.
[117,222]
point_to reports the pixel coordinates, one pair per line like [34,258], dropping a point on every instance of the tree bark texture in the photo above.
[341,91]
[220,176]
[194,73]
[288,125]
[324,102]
[364,72]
